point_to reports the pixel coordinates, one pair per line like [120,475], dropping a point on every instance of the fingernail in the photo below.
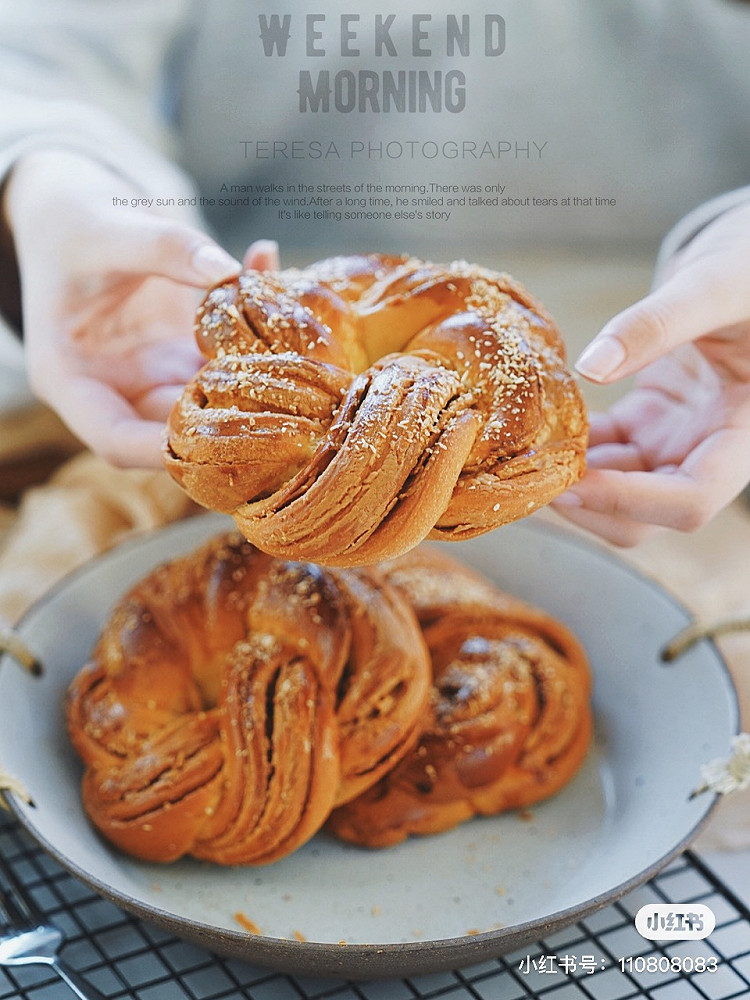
[266,253]
[568,499]
[601,358]
[267,247]
[212,263]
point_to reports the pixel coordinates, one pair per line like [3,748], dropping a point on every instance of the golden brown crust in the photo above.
[509,721]
[235,702]
[233,699]
[351,409]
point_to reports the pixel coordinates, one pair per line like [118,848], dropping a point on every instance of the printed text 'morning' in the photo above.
[366,90]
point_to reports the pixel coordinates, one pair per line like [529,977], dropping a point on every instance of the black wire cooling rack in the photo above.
[600,958]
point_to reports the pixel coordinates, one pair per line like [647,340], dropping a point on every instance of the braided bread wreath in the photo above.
[236,702]
[349,410]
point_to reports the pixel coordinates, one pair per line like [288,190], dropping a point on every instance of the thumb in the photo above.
[262,255]
[702,297]
[151,245]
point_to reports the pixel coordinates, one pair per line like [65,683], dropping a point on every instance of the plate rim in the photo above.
[365,960]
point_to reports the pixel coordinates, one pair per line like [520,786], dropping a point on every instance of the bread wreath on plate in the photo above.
[348,410]
[236,702]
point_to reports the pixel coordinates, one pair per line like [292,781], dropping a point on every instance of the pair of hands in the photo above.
[109,292]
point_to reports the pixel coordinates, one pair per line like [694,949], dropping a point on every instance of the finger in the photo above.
[671,499]
[683,498]
[625,457]
[603,429]
[157,403]
[147,244]
[698,299]
[108,424]
[170,362]
[617,531]
[262,255]
[135,444]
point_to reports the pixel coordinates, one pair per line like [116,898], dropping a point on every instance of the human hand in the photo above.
[109,295]
[675,449]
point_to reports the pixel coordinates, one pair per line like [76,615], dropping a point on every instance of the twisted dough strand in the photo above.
[351,409]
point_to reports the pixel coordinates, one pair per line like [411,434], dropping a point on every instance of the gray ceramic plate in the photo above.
[484,889]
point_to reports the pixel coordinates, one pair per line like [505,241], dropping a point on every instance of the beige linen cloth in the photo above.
[88,506]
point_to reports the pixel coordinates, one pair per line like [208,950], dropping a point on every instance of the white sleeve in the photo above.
[695,222]
[89,77]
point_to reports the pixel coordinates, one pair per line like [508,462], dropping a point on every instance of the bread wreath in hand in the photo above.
[348,410]
[234,699]
[509,721]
